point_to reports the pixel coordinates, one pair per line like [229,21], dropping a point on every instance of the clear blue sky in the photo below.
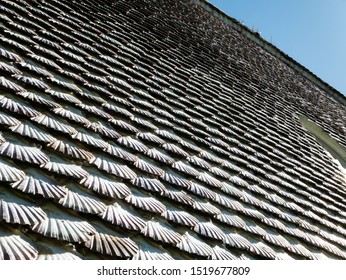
[313,32]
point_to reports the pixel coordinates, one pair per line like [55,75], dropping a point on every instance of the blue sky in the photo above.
[313,32]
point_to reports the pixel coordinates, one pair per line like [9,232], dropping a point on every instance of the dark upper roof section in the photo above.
[254,36]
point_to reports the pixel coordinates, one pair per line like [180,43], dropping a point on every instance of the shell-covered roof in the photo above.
[153,130]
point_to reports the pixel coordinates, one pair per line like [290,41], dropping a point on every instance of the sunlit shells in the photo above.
[72,229]
[180,197]
[38,99]
[148,167]
[4,67]
[106,187]
[118,216]
[54,124]
[293,206]
[66,169]
[222,254]
[35,186]
[131,143]
[146,203]
[117,115]
[208,156]
[118,170]
[105,131]
[182,167]
[206,207]
[219,172]
[7,84]
[66,85]
[175,150]
[15,44]
[32,132]
[7,120]
[277,240]
[232,220]
[161,233]
[9,173]
[193,245]
[255,229]
[146,124]
[72,116]
[189,146]
[151,138]
[239,181]
[232,190]
[168,135]
[17,107]
[250,199]
[124,125]
[301,250]
[194,160]
[208,179]
[35,69]
[257,189]
[164,123]
[202,191]
[90,140]
[152,185]
[33,82]
[47,42]
[67,53]
[180,217]
[70,150]
[237,241]
[334,250]
[23,153]
[82,203]
[271,208]
[209,230]
[120,153]
[159,156]
[175,180]
[284,256]
[10,55]
[119,110]
[112,245]
[229,203]
[14,247]
[263,250]
[152,255]
[14,213]
[64,96]
[95,110]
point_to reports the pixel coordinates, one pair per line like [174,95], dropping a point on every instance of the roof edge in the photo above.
[255,37]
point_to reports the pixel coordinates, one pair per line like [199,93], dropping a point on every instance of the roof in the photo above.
[141,130]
